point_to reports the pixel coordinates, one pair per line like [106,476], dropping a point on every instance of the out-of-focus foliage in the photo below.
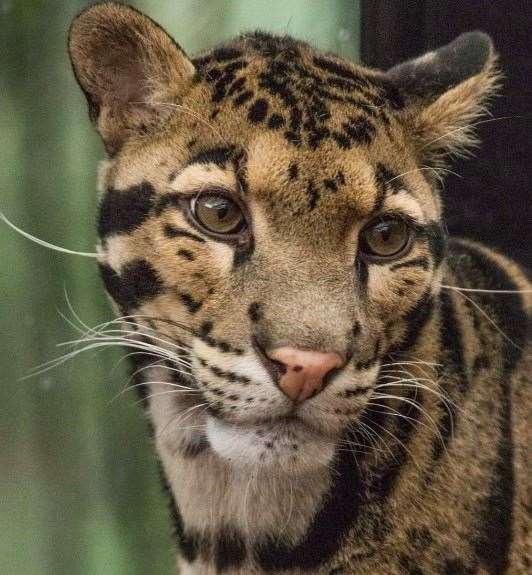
[79,491]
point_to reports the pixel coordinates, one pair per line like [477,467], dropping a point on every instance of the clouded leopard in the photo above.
[334,385]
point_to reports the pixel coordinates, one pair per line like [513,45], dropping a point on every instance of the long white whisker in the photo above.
[44,243]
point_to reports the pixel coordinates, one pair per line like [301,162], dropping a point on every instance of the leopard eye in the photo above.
[217,213]
[385,238]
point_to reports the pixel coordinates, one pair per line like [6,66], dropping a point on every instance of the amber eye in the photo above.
[385,238]
[218,214]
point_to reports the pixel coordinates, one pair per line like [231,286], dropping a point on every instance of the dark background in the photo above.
[491,202]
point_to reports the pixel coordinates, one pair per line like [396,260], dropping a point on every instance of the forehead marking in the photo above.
[304,89]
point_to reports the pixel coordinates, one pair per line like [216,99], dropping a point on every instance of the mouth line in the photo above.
[287,423]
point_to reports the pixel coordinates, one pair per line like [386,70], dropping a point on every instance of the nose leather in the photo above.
[304,370]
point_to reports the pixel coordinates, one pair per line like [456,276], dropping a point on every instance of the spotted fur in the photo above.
[412,459]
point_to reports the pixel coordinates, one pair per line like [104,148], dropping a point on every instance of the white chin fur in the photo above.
[291,447]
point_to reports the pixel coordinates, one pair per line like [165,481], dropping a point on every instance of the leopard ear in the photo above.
[446,92]
[129,68]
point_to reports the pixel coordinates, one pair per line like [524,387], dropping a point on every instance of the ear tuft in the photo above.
[128,67]
[447,91]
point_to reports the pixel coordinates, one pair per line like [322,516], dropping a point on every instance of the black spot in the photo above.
[330,184]
[293,171]
[255,311]
[137,283]
[313,195]
[173,232]
[342,140]
[191,304]
[420,262]
[188,255]
[258,111]
[126,210]
[243,98]
[276,121]
[359,130]
[229,550]
[205,329]
[236,86]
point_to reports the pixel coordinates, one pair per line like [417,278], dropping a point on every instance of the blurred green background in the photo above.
[79,492]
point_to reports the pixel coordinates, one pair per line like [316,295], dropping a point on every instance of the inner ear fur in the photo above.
[129,68]
[447,91]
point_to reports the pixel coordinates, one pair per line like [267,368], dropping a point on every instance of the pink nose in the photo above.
[305,370]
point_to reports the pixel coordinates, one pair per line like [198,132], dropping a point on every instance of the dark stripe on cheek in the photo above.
[173,232]
[124,211]
[137,283]
[190,303]
[421,262]
[255,311]
[415,320]
[186,254]
[436,240]
[363,275]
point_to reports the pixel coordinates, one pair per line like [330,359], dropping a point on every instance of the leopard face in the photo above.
[267,197]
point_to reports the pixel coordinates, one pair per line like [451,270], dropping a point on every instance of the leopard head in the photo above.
[270,222]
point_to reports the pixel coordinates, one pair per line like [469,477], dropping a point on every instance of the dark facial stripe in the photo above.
[219,156]
[255,311]
[363,275]
[421,262]
[436,240]
[137,283]
[125,210]
[186,254]
[192,305]
[415,320]
[173,232]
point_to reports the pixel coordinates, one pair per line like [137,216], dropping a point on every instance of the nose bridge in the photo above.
[308,303]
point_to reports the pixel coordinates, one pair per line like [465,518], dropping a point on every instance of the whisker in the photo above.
[44,243]
[495,291]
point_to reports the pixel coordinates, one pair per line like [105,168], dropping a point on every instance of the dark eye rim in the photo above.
[405,249]
[238,237]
